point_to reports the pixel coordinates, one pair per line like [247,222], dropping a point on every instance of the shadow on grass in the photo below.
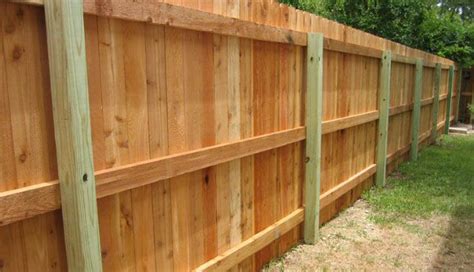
[457,251]
[440,182]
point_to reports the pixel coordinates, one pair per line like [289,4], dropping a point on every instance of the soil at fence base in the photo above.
[352,242]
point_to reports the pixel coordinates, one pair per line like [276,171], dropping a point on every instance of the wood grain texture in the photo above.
[436,94]
[158,91]
[349,121]
[472,102]
[458,92]
[182,17]
[314,92]
[246,130]
[403,59]
[164,13]
[342,188]
[67,61]
[415,127]
[354,49]
[384,102]
[449,99]
[250,246]
[29,139]
[29,201]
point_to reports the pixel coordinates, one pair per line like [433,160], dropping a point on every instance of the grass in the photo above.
[424,218]
[440,182]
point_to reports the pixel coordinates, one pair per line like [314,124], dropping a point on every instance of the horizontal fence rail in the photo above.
[29,201]
[33,200]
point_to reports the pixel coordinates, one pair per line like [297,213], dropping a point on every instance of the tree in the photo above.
[448,36]
[465,8]
[443,27]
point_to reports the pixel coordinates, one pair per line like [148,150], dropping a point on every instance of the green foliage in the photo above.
[465,8]
[443,27]
[447,35]
[308,5]
[470,107]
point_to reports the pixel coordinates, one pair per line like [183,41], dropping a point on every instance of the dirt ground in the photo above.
[353,242]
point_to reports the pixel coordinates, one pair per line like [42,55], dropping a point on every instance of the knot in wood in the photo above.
[17,52]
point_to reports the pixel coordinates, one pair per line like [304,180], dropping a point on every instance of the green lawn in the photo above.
[441,181]
[423,220]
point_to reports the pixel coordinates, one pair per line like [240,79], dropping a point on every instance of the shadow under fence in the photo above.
[456,253]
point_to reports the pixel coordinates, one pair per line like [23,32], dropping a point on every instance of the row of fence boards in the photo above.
[157,91]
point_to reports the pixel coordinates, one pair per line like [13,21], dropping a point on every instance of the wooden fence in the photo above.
[467,96]
[210,122]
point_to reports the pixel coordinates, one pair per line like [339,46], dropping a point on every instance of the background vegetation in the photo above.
[442,27]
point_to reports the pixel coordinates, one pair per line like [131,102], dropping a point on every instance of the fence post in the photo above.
[415,120]
[449,100]
[434,130]
[384,105]
[458,93]
[314,93]
[69,94]
[471,119]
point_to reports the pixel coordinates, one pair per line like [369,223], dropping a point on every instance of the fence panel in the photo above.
[198,128]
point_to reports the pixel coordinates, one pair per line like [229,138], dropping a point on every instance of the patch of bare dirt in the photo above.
[352,242]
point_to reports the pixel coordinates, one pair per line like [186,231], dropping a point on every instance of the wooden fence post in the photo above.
[415,120]
[314,94]
[384,105]
[458,93]
[69,93]
[434,130]
[449,100]
[471,119]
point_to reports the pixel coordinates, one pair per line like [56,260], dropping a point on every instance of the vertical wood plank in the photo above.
[314,92]
[29,137]
[247,163]
[471,119]
[384,103]
[11,250]
[265,107]
[179,189]
[472,100]
[221,123]
[246,130]
[298,67]
[117,241]
[437,82]
[67,61]
[158,133]
[137,145]
[199,113]
[458,93]
[450,97]
[415,119]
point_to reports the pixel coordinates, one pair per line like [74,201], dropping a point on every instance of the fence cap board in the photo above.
[188,18]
